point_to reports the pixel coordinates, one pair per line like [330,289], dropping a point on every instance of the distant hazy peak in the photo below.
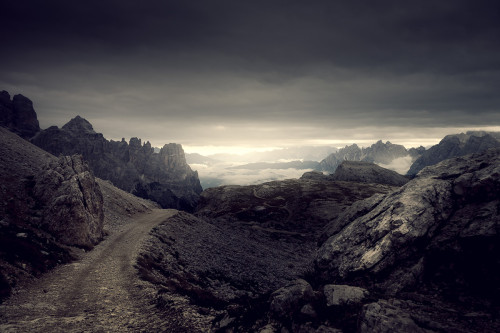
[79,125]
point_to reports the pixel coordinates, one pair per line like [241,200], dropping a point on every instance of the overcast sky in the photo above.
[257,73]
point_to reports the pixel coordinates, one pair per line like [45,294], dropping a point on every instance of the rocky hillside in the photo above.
[18,115]
[421,258]
[378,153]
[219,268]
[47,204]
[424,258]
[164,177]
[456,145]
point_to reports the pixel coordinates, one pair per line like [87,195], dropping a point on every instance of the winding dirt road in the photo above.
[99,293]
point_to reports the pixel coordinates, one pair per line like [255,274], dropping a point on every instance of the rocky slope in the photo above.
[47,204]
[219,268]
[164,177]
[378,153]
[18,115]
[364,172]
[456,145]
[424,258]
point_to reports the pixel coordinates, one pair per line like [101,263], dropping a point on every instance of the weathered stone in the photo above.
[340,295]
[287,300]
[417,231]
[72,201]
[382,317]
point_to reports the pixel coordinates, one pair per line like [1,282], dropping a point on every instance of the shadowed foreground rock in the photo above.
[47,204]
[429,250]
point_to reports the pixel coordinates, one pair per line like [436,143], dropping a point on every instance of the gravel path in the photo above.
[101,292]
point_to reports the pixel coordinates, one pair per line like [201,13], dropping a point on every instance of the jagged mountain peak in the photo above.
[79,125]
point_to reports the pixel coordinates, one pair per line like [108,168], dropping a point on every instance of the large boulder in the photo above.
[71,201]
[440,229]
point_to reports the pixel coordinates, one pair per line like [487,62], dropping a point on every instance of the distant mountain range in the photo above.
[378,153]
[164,177]
[456,145]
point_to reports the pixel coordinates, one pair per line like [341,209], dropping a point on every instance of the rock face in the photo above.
[164,177]
[18,115]
[364,172]
[47,204]
[456,145]
[378,153]
[435,238]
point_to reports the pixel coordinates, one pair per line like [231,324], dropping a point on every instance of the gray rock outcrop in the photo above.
[72,201]
[442,212]
[431,248]
[18,115]
[364,172]
[456,145]
[46,205]
[164,177]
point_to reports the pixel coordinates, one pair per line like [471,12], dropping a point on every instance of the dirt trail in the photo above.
[99,293]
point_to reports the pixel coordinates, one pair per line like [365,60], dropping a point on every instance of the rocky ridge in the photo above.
[455,145]
[48,204]
[164,177]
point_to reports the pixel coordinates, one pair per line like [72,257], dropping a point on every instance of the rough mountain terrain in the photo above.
[456,145]
[421,259]
[220,267]
[47,204]
[164,177]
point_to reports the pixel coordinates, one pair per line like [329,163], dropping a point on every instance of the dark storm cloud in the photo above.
[323,64]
